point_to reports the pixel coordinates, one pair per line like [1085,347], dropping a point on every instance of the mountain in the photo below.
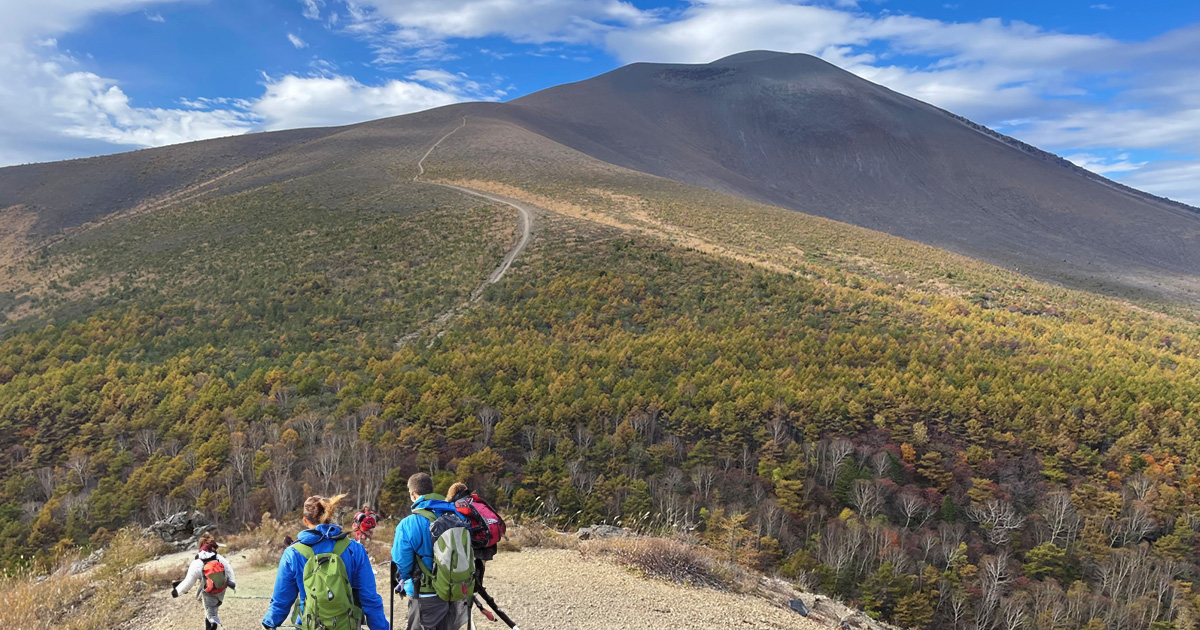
[794,131]
[788,130]
[500,294]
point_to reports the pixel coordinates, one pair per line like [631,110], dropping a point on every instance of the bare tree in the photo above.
[833,455]
[1138,487]
[47,481]
[80,464]
[488,418]
[914,508]
[993,581]
[999,519]
[780,432]
[646,423]
[959,608]
[1060,518]
[160,507]
[881,464]
[583,437]
[704,477]
[147,439]
[327,462]
[840,544]
[867,498]
[279,479]
[1014,612]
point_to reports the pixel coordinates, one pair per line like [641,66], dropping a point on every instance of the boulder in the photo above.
[180,530]
[601,531]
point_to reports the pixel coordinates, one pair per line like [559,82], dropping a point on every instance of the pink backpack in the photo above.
[486,525]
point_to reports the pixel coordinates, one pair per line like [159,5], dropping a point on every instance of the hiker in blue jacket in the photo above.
[413,539]
[322,536]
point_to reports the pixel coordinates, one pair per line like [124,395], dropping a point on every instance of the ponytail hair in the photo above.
[318,510]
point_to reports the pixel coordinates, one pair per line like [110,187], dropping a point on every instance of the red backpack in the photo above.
[366,522]
[214,577]
[486,525]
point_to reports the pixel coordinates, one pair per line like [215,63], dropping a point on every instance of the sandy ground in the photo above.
[537,588]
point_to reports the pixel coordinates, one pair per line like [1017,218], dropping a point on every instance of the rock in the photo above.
[181,530]
[83,564]
[601,531]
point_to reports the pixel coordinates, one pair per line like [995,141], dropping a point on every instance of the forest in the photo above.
[939,459]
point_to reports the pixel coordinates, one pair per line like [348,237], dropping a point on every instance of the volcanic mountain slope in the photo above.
[785,130]
[797,132]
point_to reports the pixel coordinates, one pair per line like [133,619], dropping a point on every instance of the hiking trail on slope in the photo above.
[526,213]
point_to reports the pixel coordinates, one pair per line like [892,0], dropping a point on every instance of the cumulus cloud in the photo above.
[402,30]
[293,101]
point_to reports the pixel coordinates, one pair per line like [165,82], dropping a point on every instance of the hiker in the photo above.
[341,577]
[213,573]
[414,563]
[364,523]
[486,528]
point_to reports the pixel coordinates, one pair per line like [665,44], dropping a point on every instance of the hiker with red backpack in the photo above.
[329,573]
[486,528]
[214,575]
[364,523]
[433,561]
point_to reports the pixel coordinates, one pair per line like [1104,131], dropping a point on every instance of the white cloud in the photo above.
[156,17]
[402,30]
[292,101]
[312,8]
[296,41]
[1105,166]
[1179,180]
[23,19]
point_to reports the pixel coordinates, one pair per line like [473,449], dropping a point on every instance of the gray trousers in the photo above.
[432,613]
[212,601]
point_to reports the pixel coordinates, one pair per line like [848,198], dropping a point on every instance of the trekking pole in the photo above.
[486,613]
[392,605]
[491,602]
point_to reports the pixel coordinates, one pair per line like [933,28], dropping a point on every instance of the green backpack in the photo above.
[328,596]
[453,574]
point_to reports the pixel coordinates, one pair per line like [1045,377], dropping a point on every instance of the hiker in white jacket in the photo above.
[211,594]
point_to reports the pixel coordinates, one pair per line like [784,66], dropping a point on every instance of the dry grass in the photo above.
[267,535]
[535,535]
[674,561]
[103,598]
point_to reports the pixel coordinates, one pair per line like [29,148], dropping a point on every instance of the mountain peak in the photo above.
[752,56]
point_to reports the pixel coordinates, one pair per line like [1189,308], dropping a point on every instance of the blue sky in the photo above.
[1113,86]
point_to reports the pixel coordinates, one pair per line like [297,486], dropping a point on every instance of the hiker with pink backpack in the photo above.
[213,573]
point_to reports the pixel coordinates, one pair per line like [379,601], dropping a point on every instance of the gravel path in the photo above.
[526,213]
[539,589]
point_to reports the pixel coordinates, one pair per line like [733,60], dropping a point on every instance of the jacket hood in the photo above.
[315,535]
[435,503]
[206,555]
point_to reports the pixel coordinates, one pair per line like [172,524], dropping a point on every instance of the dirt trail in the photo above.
[526,212]
[538,588]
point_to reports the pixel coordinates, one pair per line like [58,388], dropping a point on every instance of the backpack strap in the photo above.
[304,550]
[425,571]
